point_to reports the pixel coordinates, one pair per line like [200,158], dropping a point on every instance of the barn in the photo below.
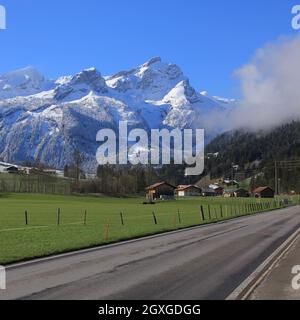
[188,191]
[160,190]
[264,192]
[236,193]
[209,193]
[8,168]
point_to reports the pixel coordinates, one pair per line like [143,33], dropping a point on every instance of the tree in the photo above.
[78,161]
[66,171]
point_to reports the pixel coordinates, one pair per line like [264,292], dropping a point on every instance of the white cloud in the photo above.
[270,85]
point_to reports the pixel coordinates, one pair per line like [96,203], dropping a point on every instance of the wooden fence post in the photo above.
[85,217]
[58,217]
[179,217]
[209,212]
[202,213]
[122,218]
[26,218]
[154,218]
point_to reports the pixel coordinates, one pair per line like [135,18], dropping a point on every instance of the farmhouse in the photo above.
[188,191]
[12,169]
[264,192]
[236,193]
[209,193]
[8,168]
[160,190]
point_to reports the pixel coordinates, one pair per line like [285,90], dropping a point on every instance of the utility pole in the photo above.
[276,179]
[283,164]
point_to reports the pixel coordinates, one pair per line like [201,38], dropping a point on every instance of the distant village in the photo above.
[165,191]
[30,170]
[226,188]
[12,169]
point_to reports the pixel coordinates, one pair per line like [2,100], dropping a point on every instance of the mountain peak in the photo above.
[154,79]
[152,61]
[156,65]
[86,75]
[80,85]
[182,94]
[22,82]
[20,76]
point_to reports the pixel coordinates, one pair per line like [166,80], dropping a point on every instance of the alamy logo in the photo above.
[296,18]
[2,17]
[296,279]
[2,278]
[162,148]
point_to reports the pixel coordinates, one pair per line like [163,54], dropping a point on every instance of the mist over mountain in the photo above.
[270,87]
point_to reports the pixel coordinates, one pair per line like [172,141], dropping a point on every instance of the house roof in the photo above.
[5,164]
[230,181]
[262,189]
[215,187]
[209,191]
[185,187]
[158,184]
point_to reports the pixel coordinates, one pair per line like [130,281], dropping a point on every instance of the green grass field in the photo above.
[43,236]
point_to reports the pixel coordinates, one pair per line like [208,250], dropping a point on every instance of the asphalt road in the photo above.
[202,263]
[277,285]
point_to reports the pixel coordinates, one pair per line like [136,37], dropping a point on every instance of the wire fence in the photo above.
[38,184]
[50,228]
[180,217]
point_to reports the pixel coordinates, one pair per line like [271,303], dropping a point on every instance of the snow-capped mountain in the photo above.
[23,82]
[48,119]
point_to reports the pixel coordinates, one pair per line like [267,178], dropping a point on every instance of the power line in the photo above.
[284,164]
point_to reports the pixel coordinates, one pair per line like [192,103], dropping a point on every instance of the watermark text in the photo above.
[2,17]
[296,17]
[2,278]
[163,147]
[296,278]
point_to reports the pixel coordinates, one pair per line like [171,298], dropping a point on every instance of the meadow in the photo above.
[33,225]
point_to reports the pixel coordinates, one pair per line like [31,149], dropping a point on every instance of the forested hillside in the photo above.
[241,154]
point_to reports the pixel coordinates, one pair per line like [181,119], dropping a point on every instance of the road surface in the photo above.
[278,284]
[207,262]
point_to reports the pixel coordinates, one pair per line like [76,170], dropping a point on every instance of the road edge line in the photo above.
[247,287]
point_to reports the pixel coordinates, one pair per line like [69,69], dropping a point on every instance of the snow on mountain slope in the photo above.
[48,120]
[152,80]
[81,85]
[226,103]
[23,82]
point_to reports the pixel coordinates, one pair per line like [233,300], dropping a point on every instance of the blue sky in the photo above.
[209,39]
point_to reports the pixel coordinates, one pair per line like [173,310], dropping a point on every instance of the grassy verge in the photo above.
[89,221]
